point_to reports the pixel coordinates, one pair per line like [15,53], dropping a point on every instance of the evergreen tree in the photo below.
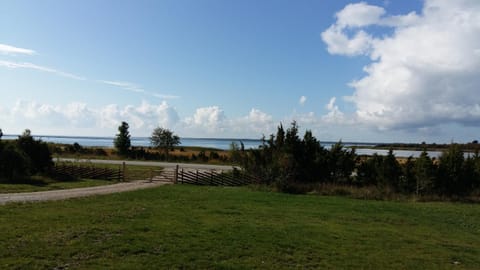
[408,180]
[450,179]
[391,171]
[122,140]
[424,174]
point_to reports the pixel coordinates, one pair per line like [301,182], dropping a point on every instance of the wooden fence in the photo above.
[212,177]
[86,171]
[173,175]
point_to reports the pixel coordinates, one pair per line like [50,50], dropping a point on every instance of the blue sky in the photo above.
[357,71]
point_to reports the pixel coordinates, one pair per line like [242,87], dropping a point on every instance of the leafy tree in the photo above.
[1,134]
[37,151]
[122,140]
[164,139]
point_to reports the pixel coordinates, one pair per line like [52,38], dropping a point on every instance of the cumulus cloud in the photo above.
[255,122]
[207,120]
[80,119]
[334,114]
[11,50]
[302,100]
[423,74]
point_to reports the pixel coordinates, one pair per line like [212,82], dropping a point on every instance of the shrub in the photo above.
[14,164]
[37,151]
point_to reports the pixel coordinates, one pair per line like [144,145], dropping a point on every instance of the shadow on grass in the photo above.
[40,180]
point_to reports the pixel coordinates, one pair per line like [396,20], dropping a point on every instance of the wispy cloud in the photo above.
[136,88]
[165,96]
[125,85]
[26,65]
[11,50]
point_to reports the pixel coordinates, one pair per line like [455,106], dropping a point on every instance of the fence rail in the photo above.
[90,172]
[174,175]
[212,177]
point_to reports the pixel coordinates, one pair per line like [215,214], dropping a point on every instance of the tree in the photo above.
[451,179]
[424,174]
[37,151]
[1,134]
[122,140]
[14,164]
[164,139]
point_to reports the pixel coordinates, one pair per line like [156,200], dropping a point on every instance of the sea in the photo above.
[217,143]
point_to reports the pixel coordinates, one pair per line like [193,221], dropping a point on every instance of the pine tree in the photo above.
[122,140]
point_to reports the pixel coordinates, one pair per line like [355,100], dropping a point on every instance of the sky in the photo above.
[357,71]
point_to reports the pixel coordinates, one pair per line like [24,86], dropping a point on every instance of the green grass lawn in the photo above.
[236,228]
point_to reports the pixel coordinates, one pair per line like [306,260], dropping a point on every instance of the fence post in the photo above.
[175,175]
[182,175]
[124,172]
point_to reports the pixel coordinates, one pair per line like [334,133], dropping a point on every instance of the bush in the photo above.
[21,158]
[14,164]
[37,151]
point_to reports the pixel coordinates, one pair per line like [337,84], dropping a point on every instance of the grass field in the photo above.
[180,226]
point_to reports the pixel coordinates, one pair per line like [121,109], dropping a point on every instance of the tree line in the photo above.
[285,160]
[295,164]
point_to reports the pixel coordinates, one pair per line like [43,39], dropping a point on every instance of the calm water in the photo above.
[223,144]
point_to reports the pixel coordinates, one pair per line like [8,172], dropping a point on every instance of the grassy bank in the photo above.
[236,228]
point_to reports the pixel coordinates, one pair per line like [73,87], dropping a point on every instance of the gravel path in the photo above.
[76,192]
[155,163]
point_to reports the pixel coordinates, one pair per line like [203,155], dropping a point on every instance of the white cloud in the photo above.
[256,122]
[165,96]
[359,14]
[302,100]
[136,88]
[334,114]
[207,120]
[15,65]
[423,74]
[80,119]
[11,50]
[125,85]
[339,43]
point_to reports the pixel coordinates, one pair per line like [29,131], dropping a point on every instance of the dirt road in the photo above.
[77,192]
[155,163]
